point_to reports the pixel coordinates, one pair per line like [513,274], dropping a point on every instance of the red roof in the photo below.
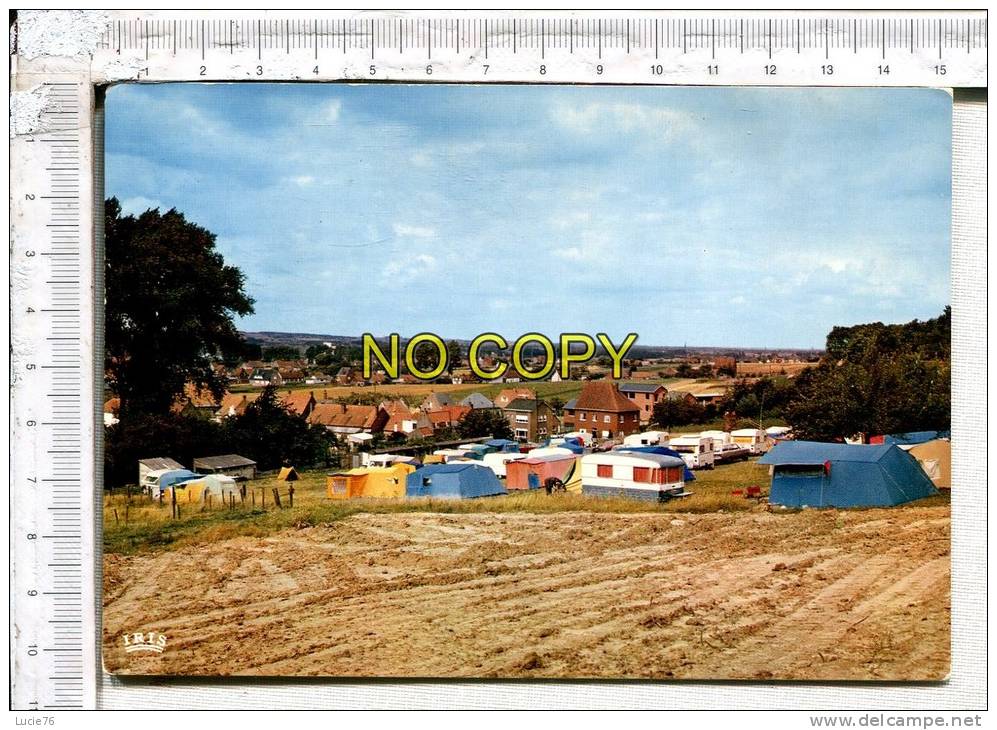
[603,395]
[298,401]
[233,404]
[450,414]
[344,416]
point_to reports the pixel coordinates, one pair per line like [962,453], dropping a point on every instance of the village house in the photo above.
[508,395]
[299,402]
[111,408]
[477,401]
[347,419]
[645,396]
[262,377]
[195,401]
[437,401]
[233,404]
[447,417]
[531,419]
[344,376]
[603,411]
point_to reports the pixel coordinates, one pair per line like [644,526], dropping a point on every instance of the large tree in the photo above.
[480,422]
[877,379]
[169,307]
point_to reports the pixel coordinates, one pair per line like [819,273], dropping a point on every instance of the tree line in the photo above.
[874,379]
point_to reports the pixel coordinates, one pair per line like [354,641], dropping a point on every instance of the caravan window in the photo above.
[604,470]
[642,474]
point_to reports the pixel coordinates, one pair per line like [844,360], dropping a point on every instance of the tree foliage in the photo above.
[480,422]
[170,300]
[281,352]
[877,379]
[272,436]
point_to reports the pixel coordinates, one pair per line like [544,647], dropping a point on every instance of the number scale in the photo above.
[830,49]
[56,186]
[52,408]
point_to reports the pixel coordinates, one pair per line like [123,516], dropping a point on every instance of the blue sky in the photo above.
[707,216]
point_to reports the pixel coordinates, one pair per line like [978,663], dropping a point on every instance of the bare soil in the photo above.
[857,595]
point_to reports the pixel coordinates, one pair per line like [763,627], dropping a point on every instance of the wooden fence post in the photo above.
[254,497]
[290,495]
[276,497]
[173,504]
[263,496]
[115,516]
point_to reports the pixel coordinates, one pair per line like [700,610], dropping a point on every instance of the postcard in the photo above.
[512,381]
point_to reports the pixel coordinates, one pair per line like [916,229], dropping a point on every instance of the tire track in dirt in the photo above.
[849,595]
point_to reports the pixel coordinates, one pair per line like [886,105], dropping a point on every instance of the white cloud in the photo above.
[404,230]
[139,205]
[571,220]
[421,159]
[302,181]
[332,110]
[598,116]
[403,270]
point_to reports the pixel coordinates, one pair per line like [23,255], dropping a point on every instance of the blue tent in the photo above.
[504,445]
[813,474]
[663,450]
[457,480]
[915,437]
[172,478]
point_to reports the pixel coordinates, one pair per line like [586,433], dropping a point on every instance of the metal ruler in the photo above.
[57,187]
[791,48]
[52,406]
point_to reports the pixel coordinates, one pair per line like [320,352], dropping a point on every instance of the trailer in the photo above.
[643,476]
[697,451]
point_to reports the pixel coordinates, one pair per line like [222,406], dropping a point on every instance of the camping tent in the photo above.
[217,485]
[534,471]
[935,457]
[504,445]
[909,439]
[288,474]
[173,478]
[453,481]
[384,482]
[812,474]
[663,451]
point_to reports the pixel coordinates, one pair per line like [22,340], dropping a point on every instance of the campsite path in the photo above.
[813,595]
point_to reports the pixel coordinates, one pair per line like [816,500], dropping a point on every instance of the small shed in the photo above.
[233,465]
[453,481]
[815,474]
[534,471]
[156,464]
[381,482]
[643,476]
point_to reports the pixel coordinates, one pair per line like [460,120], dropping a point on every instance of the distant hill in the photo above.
[640,350]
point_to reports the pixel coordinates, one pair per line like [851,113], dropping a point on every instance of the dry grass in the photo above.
[141,525]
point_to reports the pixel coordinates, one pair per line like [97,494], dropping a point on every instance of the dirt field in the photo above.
[814,595]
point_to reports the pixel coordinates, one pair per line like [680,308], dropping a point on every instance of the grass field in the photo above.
[138,524]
